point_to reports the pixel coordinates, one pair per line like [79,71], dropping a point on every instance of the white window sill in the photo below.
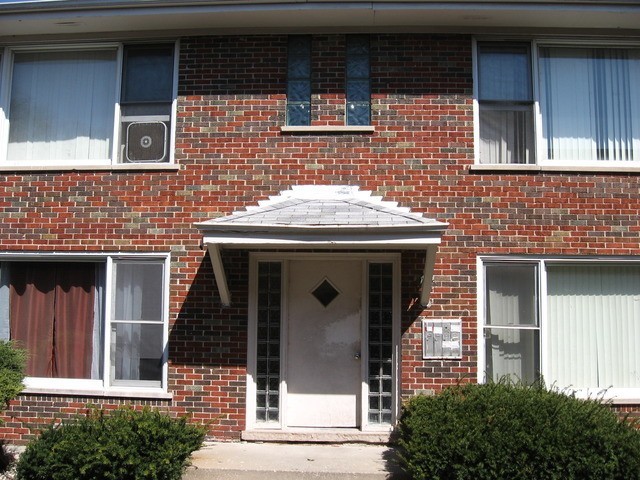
[507,167]
[620,400]
[151,394]
[328,129]
[614,396]
[89,167]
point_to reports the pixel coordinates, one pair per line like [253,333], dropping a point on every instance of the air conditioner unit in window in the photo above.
[146,142]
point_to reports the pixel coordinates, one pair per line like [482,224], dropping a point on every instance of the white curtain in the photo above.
[593,329]
[62,105]
[137,330]
[98,324]
[138,291]
[506,134]
[590,103]
[511,304]
[125,353]
[5,331]
[512,353]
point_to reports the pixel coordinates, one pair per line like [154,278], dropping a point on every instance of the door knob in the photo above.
[357,356]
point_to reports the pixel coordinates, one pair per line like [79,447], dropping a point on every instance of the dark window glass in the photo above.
[358,82]
[299,80]
[268,348]
[505,103]
[380,343]
[147,73]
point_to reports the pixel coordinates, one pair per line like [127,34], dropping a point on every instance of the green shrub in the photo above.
[123,445]
[12,365]
[501,431]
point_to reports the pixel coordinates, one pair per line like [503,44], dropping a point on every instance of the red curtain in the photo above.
[31,304]
[52,315]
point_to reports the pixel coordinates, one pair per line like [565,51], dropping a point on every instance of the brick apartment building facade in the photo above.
[283,221]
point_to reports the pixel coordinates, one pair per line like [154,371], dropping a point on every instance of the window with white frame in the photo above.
[575,324]
[88,104]
[87,323]
[557,103]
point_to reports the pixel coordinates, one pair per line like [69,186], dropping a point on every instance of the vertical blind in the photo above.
[593,326]
[590,99]
[62,105]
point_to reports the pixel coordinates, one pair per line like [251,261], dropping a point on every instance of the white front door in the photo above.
[323,373]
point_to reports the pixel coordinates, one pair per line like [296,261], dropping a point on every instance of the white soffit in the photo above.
[69,17]
[322,217]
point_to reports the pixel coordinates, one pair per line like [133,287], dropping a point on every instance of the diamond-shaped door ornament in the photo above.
[325,293]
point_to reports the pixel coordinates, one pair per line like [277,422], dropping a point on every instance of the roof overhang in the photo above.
[382,226]
[171,17]
[214,240]
[317,237]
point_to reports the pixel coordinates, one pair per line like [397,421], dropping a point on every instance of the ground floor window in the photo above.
[575,324]
[91,322]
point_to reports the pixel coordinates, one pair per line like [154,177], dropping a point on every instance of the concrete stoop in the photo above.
[262,475]
[271,461]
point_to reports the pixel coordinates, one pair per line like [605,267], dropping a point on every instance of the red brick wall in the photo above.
[231,153]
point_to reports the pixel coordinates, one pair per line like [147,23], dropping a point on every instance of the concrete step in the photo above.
[271,461]
[260,475]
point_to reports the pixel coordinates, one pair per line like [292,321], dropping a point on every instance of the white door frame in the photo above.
[284,257]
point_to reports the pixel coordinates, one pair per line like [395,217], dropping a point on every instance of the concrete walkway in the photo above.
[267,461]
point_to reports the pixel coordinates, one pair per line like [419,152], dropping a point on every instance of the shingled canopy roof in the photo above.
[322,217]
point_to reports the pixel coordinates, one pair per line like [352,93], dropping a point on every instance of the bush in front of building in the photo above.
[12,369]
[125,444]
[500,431]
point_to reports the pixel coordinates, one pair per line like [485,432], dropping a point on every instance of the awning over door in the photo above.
[322,217]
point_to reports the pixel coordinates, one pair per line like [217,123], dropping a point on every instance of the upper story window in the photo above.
[505,101]
[87,105]
[558,104]
[146,103]
[357,81]
[299,80]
